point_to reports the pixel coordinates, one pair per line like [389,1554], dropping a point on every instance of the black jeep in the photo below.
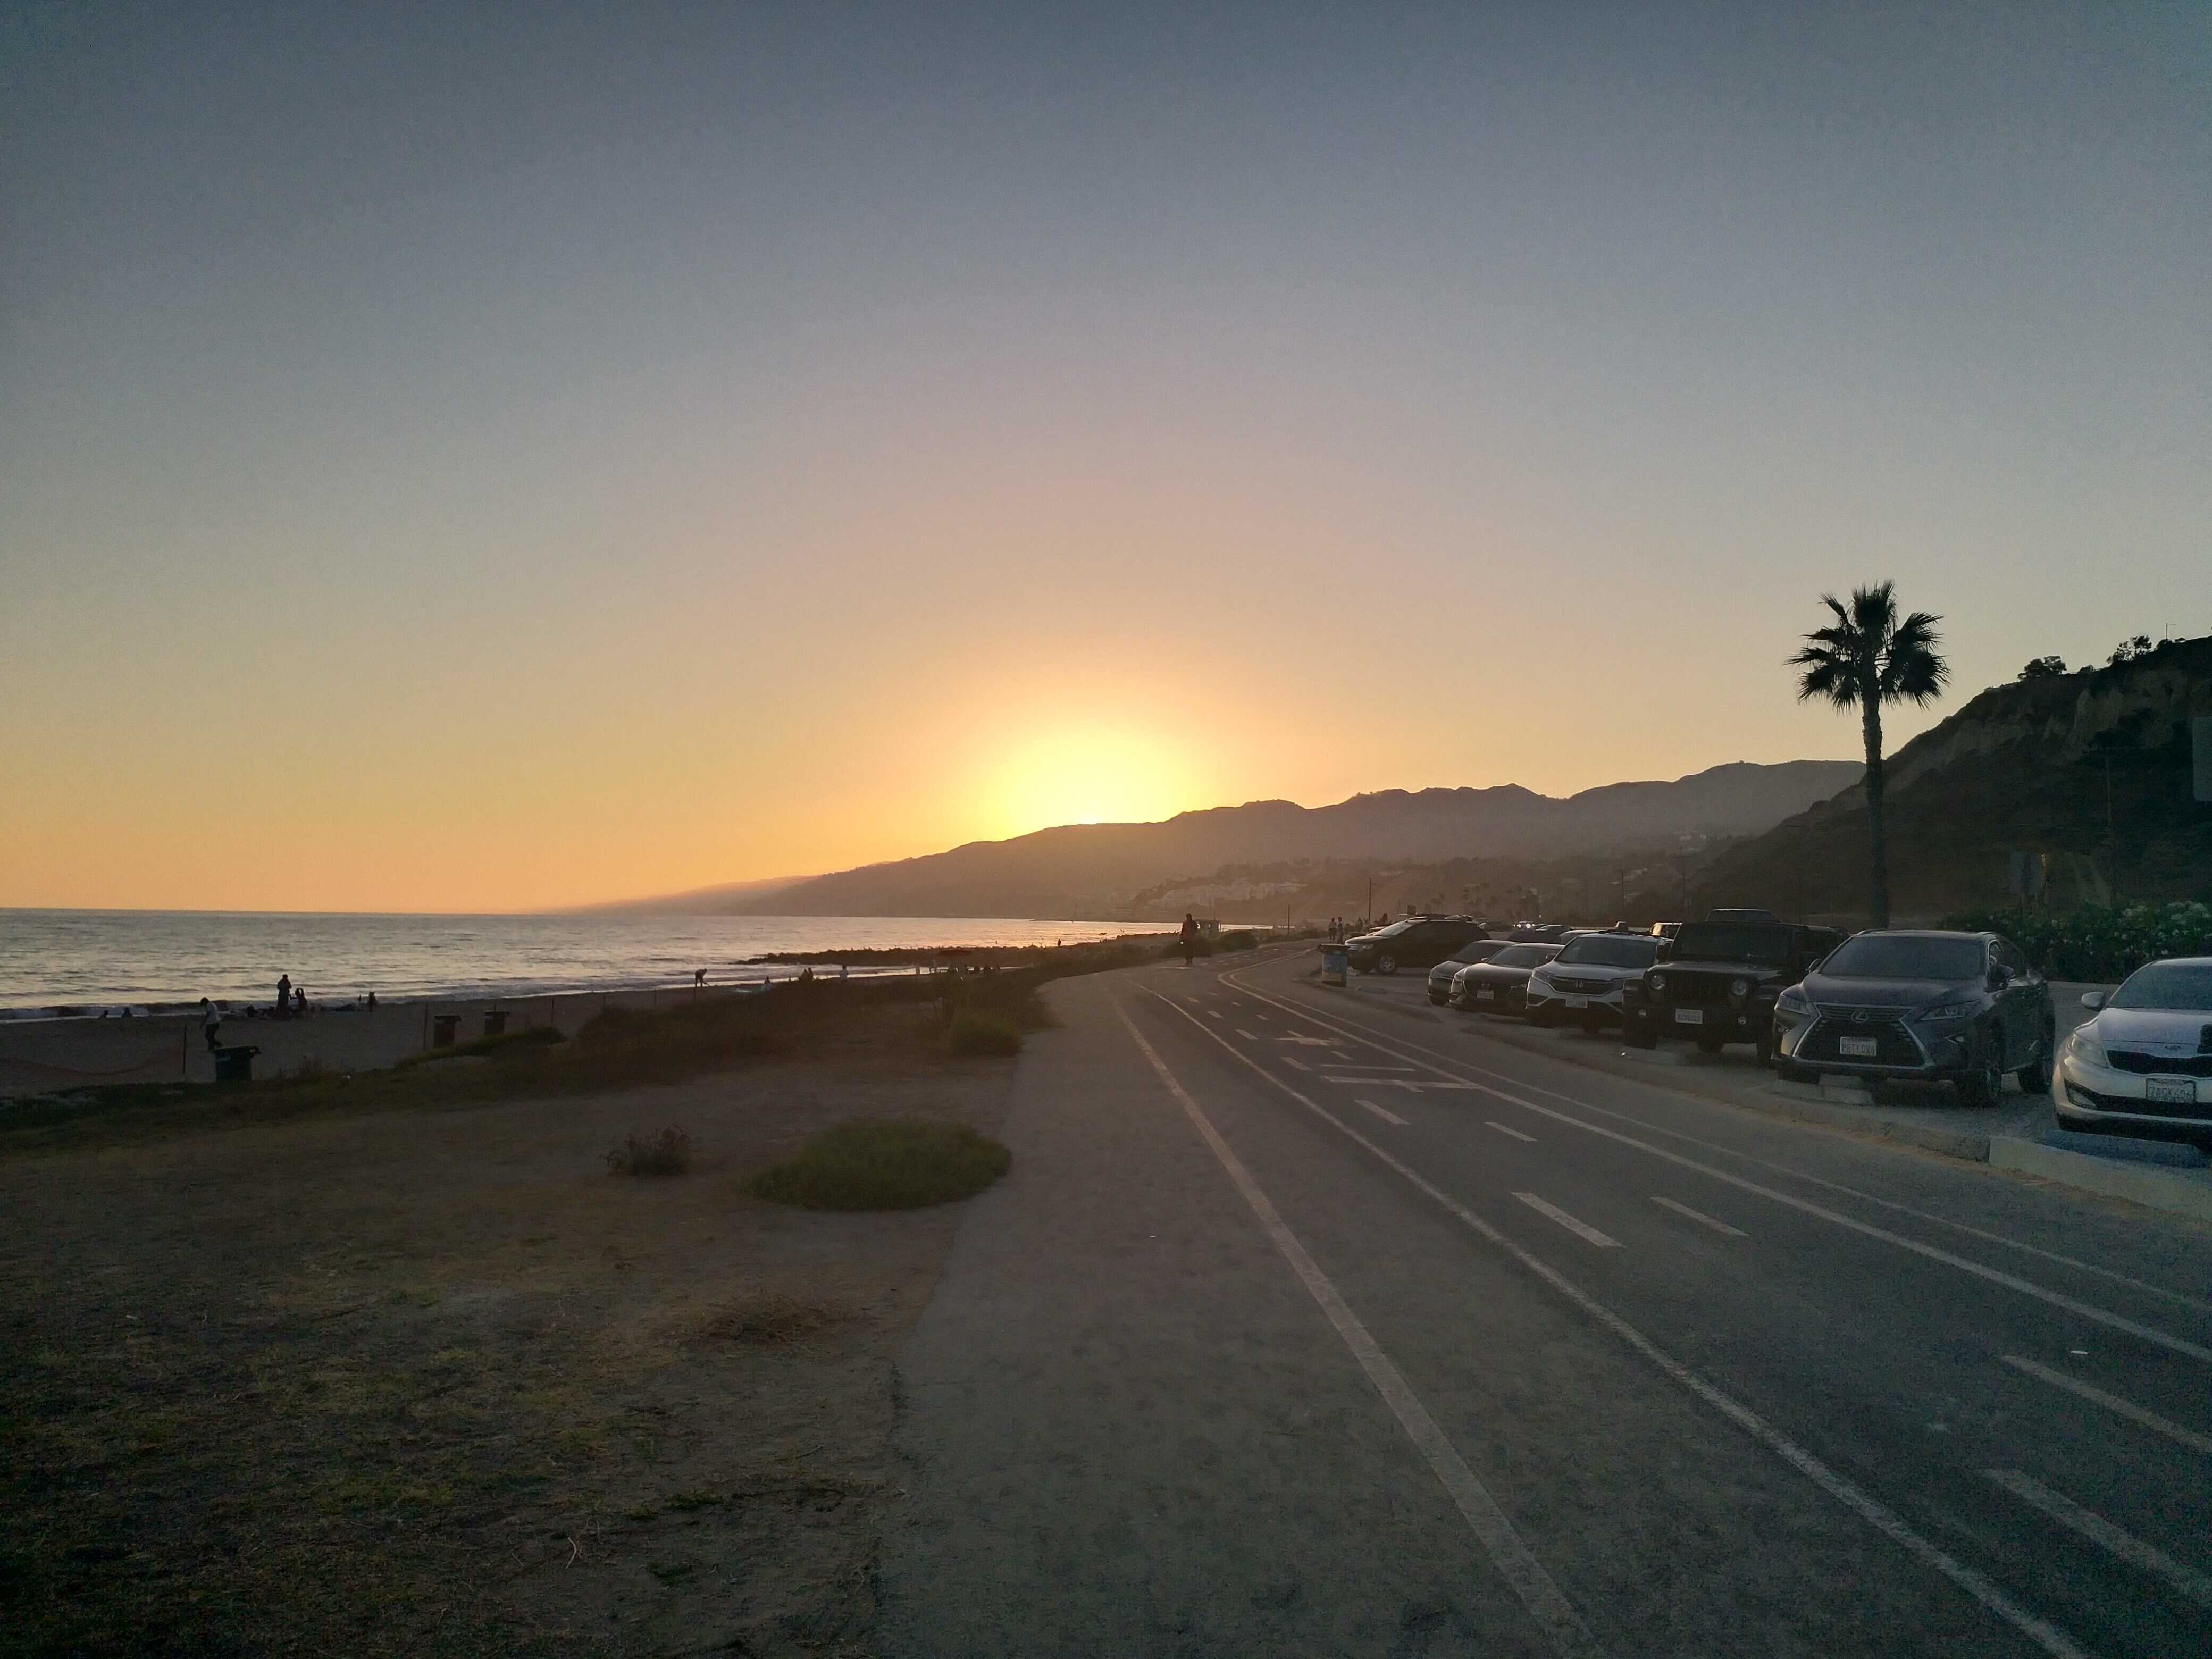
[1718,983]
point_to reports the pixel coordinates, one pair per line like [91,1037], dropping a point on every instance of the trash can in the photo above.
[1333,964]
[494,1021]
[235,1064]
[443,1029]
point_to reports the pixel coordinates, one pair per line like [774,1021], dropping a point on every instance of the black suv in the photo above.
[1719,982]
[1960,1008]
[1416,941]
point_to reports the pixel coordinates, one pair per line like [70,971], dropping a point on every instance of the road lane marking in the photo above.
[2097,1530]
[1698,1217]
[1545,1602]
[1246,1035]
[1987,1237]
[1516,1134]
[1934,1252]
[1869,1509]
[2113,1403]
[1295,1063]
[1580,1229]
[1399,1083]
[1388,1117]
[1351,1066]
[1216,1013]
[1301,1038]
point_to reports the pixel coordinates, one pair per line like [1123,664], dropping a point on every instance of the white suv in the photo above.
[1584,981]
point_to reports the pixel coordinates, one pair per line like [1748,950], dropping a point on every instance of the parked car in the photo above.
[1930,1006]
[1583,982]
[1415,942]
[1440,976]
[1499,985]
[1718,980]
[2144,1061]
[1545,932]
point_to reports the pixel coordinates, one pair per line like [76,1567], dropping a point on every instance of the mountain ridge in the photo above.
[1092,871]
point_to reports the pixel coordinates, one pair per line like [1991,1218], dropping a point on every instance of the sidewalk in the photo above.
[2021,1132]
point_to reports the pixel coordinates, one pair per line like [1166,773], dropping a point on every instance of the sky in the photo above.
[480,458]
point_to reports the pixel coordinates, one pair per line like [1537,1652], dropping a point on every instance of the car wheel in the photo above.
[1981,1087]
[2035,1076]
[1386,964]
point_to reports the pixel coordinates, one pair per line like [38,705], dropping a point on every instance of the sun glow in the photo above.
[1088,775]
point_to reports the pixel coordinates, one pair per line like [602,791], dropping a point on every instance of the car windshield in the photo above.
[1523,955]
[1392,931]
[1893,956]
[2180,986]
[1480,951]
[1722,941]
[1612,950]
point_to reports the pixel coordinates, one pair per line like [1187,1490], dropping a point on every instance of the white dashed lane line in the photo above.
[1702,1220]
[2113,1403]
[1249,1037]
[1580,1229]
[1295,1063]
[1388,1117]
[2067,1513]
[1502,1130]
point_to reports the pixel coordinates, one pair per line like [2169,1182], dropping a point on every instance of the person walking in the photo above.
[1188,937]
[211,1025]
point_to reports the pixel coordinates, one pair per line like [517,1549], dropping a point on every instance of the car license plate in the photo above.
[1858,1048]
[2172,1091]
[1577,1002]
[1689,1016]
[1486,996]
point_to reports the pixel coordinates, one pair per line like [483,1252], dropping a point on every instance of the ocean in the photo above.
[51,960]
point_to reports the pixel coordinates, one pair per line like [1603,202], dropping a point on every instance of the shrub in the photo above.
[667,1154]
[1200,946]
[973,1032]
[2100,941]
[1242,939]
[884,1163]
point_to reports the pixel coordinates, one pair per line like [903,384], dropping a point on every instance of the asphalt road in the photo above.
[1295,1329]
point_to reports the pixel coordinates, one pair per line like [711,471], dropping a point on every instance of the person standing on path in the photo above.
[211,1025]
[1189,937]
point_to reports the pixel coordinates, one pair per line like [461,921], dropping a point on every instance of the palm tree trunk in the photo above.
[1877,841]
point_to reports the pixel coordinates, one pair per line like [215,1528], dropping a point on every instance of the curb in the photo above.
[2141,1184]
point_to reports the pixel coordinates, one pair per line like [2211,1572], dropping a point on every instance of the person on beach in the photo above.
[1188,937]
[283,996]
[299,1001]
[372,1002]
[211,1025]
[699,979]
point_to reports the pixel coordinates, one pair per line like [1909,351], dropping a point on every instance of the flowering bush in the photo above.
[2100,941]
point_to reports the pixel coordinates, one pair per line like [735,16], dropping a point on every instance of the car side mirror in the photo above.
[1666,948]
[2092,1000]
[2000,977]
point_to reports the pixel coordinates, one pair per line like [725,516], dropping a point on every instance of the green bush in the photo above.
[975,1032]
[893,1163]
[1242,939]
[2099,942]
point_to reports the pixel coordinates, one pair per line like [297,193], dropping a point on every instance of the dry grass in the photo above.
[425,1381]
[899,1163]
[668,1153]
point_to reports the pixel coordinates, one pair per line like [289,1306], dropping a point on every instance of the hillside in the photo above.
[2021,767]
[1097,870]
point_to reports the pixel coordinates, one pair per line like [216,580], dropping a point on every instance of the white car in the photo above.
[1582,983]
[2144,1061]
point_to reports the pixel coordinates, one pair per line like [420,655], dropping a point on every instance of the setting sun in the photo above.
[1089,774]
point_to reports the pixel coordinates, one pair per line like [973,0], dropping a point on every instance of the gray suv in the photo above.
[1959,1008]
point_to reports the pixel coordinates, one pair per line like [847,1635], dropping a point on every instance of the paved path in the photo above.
[1297,1330]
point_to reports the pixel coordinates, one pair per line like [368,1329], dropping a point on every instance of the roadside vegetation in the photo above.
[2099,942]
[900,1165]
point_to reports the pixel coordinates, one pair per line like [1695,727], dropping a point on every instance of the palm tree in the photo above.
[1865,659]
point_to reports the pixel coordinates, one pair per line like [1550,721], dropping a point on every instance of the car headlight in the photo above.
[2082,1045]
[1943,1011]
[1739,988]
[1792,1001]
[1658,984]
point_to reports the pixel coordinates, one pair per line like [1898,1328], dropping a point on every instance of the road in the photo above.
[1297,1328]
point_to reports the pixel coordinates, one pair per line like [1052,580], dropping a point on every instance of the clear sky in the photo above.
[461,459]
